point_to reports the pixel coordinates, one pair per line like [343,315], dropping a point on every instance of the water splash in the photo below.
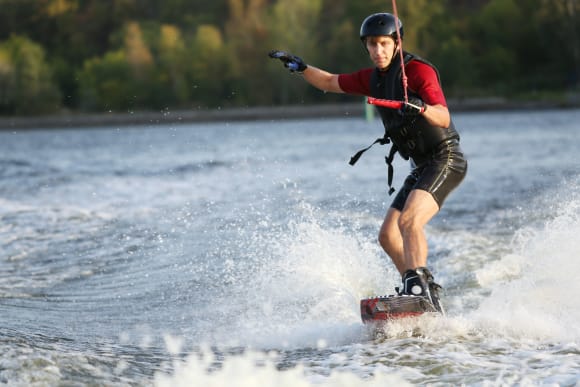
[258,368]
[534,289]
[302,284]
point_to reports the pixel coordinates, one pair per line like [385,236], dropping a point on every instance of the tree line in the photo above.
[129,55]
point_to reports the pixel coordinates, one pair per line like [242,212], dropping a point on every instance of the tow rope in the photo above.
[400,41]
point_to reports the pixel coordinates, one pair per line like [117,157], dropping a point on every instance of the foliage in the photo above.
[123,55]
[25,80]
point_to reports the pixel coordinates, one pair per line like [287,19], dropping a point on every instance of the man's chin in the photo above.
[382,65]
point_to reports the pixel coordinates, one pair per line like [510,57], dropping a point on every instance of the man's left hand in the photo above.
[413,107]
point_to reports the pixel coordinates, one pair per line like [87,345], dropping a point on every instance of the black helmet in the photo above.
[380,24]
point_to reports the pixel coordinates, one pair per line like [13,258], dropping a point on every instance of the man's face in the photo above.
[381,50]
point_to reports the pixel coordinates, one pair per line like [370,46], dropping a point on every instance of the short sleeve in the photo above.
[422,79]
[357,83]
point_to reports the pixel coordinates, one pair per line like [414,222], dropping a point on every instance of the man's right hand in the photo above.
[291,62]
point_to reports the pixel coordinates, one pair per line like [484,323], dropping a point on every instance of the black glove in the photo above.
[413,107]
[291,62]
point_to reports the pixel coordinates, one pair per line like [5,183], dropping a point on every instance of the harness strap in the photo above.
[388,159]
[384,140]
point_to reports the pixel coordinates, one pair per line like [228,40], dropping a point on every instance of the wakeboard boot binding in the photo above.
[419,282]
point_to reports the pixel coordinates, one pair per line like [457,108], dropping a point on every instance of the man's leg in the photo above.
[391,239]
[402,234]
[419,209]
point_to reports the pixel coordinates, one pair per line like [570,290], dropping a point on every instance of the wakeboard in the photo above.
[385,308]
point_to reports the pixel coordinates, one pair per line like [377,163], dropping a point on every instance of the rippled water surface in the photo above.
[237,253]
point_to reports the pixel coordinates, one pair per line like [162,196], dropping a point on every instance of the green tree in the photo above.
[340,37]
[246,38]
[106,83]
[153,54]
[553,44]
[457,67]
[210,67]
[293,26]
[172,64]
[138,53]
[7,81]
[121,79]
[26,85]
[421,18]
[497,26]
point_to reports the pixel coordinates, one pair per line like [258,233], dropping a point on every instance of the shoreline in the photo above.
[261,113]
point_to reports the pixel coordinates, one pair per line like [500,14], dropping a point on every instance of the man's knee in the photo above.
[408,223]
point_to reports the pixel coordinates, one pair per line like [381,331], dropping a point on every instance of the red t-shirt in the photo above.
[421,79]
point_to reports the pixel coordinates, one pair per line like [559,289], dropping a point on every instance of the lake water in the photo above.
[236,254]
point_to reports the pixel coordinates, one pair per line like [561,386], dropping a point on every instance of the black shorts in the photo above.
[439,175]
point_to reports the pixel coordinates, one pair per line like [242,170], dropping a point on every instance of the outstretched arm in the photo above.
[321,79]
[318,78]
